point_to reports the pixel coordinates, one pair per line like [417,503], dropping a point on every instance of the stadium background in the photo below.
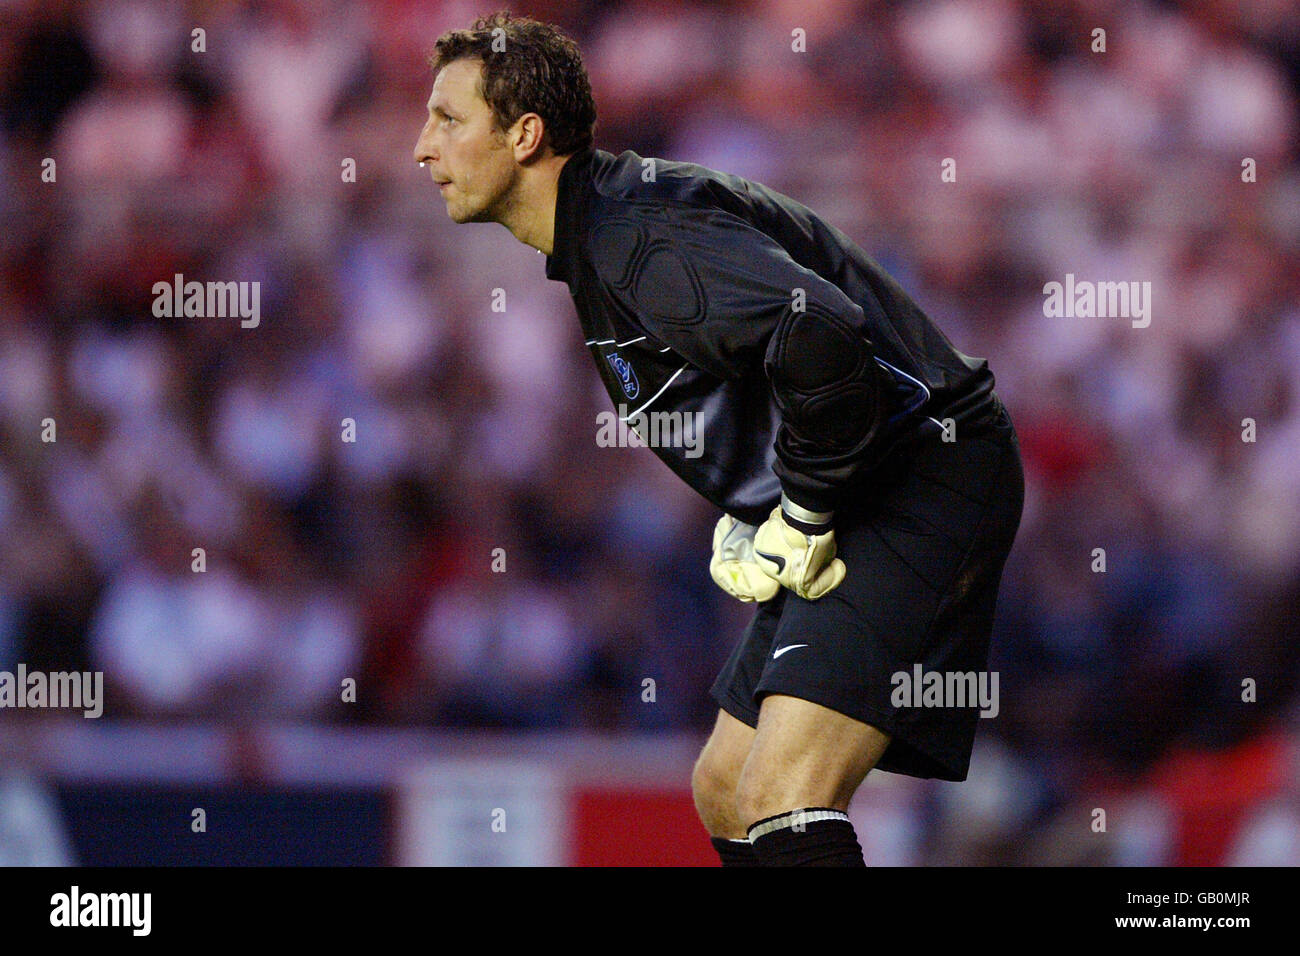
[523,691]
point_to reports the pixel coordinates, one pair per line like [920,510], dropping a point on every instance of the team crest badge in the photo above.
[631,388]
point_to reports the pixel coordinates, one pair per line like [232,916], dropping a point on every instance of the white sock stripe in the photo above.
[790,819]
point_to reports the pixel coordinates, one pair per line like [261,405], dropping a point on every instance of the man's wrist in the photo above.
[805,519]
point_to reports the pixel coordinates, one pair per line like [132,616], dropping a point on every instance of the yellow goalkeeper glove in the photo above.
[732,565]
[796,547]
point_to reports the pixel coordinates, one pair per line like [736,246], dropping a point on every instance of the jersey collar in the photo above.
[569,195]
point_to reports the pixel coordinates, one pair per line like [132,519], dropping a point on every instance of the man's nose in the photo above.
[424,146]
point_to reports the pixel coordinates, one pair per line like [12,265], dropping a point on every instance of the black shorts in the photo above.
[924,541]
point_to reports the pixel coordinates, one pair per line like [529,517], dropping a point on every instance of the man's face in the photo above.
[461,147]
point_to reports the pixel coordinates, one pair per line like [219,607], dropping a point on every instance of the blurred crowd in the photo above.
[473,558]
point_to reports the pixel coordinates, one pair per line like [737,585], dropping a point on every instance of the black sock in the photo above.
[735,852]
[813,836]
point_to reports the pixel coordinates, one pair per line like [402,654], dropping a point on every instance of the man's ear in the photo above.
[529,138]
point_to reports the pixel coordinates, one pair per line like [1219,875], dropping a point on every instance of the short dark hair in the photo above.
[535,68]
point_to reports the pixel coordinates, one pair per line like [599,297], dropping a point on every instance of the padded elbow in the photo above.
[824,376]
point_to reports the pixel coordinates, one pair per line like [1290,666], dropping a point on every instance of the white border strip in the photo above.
[656,394]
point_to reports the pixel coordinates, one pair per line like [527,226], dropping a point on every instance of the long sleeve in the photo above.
[730,301]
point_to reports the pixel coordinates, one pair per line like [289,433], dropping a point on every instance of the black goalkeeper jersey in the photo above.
[702,292]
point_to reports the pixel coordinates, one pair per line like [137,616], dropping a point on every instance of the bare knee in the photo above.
[766,788]
[715,799]
[804,755]
[716,772]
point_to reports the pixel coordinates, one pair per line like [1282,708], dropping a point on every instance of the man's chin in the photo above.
[461,216]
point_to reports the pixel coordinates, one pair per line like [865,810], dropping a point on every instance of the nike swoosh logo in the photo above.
[777,560]
[781,650]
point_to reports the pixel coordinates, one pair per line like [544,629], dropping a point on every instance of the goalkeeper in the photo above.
[869,478]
